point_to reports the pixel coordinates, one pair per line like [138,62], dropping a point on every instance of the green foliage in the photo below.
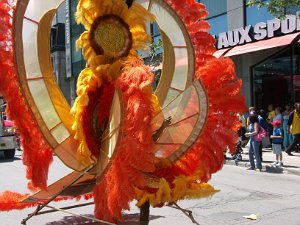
[155,58]
[155,46]
[278,8]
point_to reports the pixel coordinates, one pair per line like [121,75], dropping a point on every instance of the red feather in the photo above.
[37,155]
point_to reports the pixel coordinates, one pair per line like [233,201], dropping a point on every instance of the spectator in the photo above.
[242,130]
[250,109]
[254,127]
[271,113]
[263,124]
[278,115]
[277,142]
[287,136]
[294,128]
[261,119]
[270,116]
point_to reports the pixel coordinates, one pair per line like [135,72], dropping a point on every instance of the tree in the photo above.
[155,57]
[278,8]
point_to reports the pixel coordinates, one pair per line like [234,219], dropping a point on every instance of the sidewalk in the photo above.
[291,164]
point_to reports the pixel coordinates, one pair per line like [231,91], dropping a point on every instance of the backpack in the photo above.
[262,123]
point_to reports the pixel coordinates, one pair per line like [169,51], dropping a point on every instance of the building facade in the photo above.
[74,58]
[58,51]
[266,51]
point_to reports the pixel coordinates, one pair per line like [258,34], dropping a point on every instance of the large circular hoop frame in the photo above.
[32,24]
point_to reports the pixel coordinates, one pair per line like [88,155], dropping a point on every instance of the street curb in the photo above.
[267,168]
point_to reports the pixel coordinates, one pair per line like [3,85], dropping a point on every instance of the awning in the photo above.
[257,46]
[221,52]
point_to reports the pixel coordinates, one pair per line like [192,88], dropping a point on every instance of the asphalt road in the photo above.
[273,198]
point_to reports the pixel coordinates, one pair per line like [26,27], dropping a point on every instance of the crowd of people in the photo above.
[282,127]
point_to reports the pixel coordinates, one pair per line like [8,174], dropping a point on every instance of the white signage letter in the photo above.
[288,25]
[245,34]
[223,41]
[233,37]
[272,26]
[260,31]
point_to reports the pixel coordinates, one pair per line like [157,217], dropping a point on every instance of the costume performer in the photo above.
[113,129]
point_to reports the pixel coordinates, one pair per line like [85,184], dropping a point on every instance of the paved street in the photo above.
[274,198]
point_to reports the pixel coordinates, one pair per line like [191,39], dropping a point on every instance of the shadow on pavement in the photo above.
[72,220]
[129,219]
[3,160]
[296,167]
[134,219]
[273,169]
[267,161]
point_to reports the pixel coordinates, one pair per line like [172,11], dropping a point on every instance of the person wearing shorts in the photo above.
[277,139]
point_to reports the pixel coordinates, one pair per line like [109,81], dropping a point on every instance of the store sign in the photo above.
[258,32]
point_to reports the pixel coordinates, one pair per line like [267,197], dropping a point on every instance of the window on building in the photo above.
[154,29]
[218,24]
[78,62]
[217,18]
[296,59]
[57,37]
[215,7]
[296,71]
[276,80]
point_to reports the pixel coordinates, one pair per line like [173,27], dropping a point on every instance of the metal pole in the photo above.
[64,208]
[187,212]
[41,206]
[144,213]
[74,214]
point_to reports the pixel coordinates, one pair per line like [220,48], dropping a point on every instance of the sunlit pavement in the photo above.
[291,164]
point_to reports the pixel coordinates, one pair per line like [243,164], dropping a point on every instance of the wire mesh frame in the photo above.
[200,123]
[168,52]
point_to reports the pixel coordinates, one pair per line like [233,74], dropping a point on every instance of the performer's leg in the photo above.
[144,214]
